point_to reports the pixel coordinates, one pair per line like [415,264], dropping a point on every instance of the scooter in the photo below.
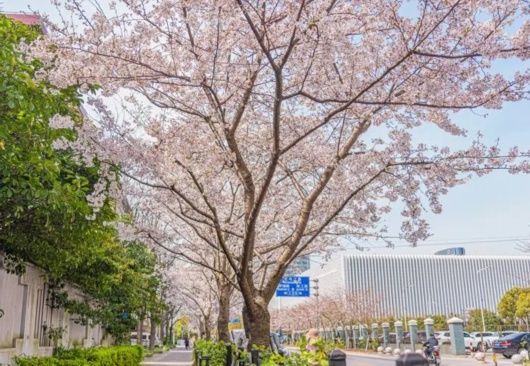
[433,357]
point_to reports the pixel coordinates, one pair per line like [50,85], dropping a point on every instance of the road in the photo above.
[361,360]
[175,357]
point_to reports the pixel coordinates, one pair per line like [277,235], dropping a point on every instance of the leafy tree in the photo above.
[522,306]
[43,192]
[508,304]
[491,320]
[440,322]
[45,214]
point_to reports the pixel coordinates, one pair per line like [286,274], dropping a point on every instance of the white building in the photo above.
[422,285]
[26,317]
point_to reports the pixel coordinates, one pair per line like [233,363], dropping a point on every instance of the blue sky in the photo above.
[491,215]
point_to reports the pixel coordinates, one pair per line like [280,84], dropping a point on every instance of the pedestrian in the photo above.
[186,342]
[312,337]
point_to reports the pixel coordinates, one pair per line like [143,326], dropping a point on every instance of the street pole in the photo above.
[407,302]
[317,295]
[482,311]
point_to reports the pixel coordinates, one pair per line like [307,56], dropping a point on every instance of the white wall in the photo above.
[27,315]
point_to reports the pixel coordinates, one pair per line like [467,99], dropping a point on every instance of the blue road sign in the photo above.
[293,286]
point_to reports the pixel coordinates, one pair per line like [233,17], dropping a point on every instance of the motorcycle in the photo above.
[432,354]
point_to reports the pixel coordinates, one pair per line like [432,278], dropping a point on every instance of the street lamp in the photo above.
[482,309]
[407,303]
[315,287]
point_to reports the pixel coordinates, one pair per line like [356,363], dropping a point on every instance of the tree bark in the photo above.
[224,312]
[259,325]
[152,335]
[207,331]
[140,332]
[244,317]
[163,328]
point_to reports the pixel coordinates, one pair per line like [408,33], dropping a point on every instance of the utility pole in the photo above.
[317,295]
[483,349]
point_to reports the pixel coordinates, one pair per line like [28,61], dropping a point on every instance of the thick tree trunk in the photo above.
[207,331]
[259,325]
[170,326]
[152,335]
[163,327]
[171,332]
[244,317]
[140,332]
[224,313]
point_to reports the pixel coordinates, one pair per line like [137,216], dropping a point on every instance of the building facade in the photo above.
[26,317]
[423,285]
[299,265]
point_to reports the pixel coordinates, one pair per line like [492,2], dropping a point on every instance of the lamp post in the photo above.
[482,311]
[407,303]
[315,287]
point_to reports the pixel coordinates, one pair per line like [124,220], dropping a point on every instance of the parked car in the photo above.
[391,338]
[507,333]
[511,344]
[487,337]
[445,338]
[421,338]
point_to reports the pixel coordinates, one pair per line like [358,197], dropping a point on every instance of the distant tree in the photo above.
[522,306]
[491,320]
[440,322]
[508,304]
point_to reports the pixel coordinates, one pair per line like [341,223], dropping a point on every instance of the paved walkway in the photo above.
[175,357]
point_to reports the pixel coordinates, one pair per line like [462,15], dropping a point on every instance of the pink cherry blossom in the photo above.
[250,132]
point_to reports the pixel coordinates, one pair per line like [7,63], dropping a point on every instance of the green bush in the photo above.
[116,356]
[215,350]
[49,361]
[100,356]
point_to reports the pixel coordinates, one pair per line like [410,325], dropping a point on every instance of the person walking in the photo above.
[186,342]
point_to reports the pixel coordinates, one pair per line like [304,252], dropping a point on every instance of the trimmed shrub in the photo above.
[101,356]
[49,361]
[215,350]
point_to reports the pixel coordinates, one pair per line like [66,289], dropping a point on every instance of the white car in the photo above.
[488,337]
[445,338]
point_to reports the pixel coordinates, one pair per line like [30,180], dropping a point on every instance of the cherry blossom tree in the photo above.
[342,309]
[251,132]
[195,290]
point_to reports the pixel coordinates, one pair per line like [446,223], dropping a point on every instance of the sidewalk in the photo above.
[175,357]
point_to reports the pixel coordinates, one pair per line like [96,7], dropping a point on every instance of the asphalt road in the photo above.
[369,361]
[360,360]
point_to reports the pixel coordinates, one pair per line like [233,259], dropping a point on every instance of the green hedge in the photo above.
[100,356]
[215,350]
